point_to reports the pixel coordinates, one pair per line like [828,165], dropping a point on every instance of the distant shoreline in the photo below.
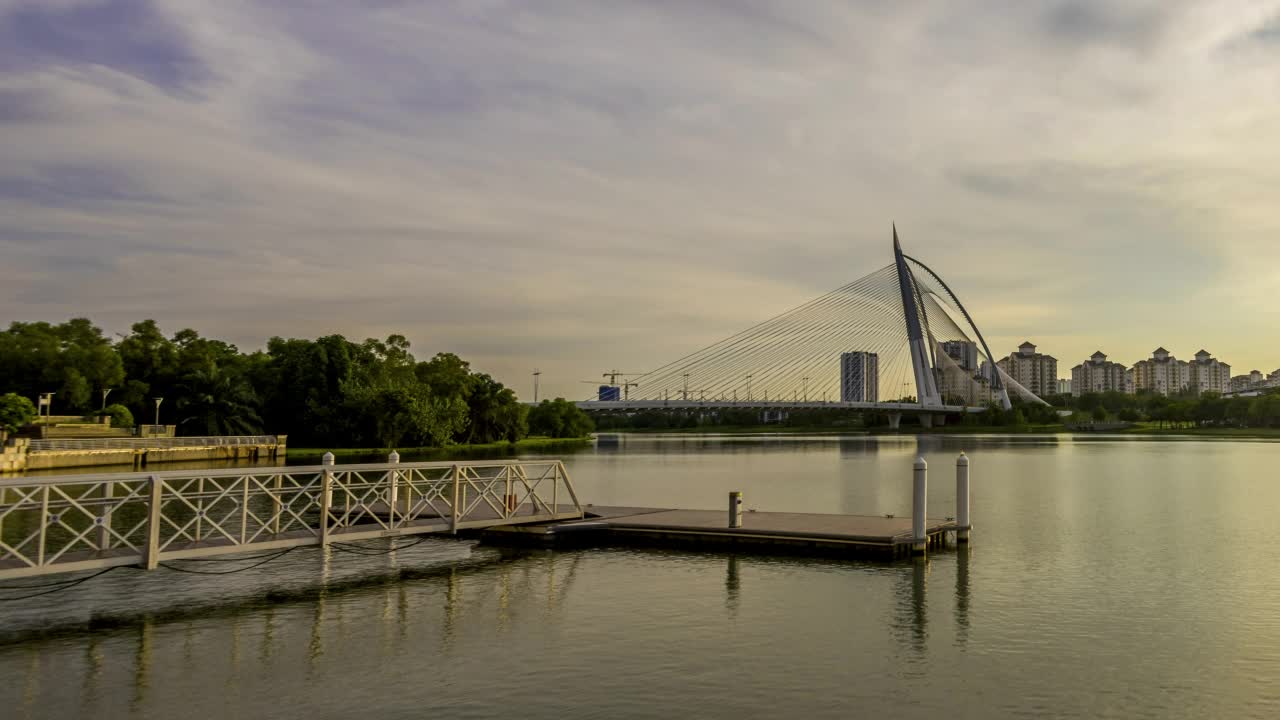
[495,448]
[1138,429]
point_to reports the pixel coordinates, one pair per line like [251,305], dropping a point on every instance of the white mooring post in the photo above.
[326,497]
[962,499]
[735,509]
[919,493]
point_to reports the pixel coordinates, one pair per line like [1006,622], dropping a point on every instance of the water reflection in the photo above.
[858,446]
[93,661]
[1067,615]
[315,644]
[142,664]
[732,586]
[962,593]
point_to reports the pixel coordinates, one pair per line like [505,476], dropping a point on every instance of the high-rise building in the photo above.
[1208,374]
[1064,386]
[958,375]
[1253,380]
[1096,375]
[1032,370]
[1163,374]
[963,352]
[859,376]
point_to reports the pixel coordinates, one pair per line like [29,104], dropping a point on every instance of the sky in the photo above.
[612,184]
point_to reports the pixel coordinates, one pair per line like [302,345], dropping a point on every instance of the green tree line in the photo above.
[1186,409]
[327,392]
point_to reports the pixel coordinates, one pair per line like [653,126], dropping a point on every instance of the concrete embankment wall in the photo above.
[141,458]
[13,455]
[47,459]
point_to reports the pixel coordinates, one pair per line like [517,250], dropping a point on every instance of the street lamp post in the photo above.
[105,393]
[158,401]
[748,387]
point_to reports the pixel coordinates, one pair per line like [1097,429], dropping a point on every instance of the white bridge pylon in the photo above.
[894,339]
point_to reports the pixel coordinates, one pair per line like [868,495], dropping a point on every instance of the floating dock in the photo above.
[883,536]
[73,523]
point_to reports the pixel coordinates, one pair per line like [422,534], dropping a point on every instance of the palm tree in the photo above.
[214,401]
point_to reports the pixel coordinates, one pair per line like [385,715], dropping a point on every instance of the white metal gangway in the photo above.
[54,524]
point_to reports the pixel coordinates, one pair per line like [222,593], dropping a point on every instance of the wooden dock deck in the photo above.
[760,531]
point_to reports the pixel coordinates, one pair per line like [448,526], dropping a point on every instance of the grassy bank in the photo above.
[959,429]
[496,449]
[1150,428]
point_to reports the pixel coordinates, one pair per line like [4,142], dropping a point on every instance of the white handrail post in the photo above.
[277,508]
[919,493]
[457,478]
[393,479]
[508,497]
[104,517]
[568,485]
[151,558]
[962,499]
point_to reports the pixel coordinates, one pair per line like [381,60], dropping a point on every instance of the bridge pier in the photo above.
[895,419]
[926,420]
[940,420]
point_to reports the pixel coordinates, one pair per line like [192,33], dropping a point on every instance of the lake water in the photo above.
[1109,577]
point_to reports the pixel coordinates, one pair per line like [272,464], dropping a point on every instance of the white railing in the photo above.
[152,443]
[84,522]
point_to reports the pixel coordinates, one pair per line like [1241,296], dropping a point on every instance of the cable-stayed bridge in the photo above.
[895,341]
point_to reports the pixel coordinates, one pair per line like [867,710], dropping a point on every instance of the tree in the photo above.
[559,418]
[214,401]
[1264,411]
[327,391]
[70,360]
[16,411]
[493,411]
[445,375]
[305,386]
[150,365]
[119,414]
[1099,414]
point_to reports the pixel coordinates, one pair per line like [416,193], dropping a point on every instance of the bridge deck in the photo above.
[846,534]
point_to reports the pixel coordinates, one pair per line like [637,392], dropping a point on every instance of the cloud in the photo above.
[127,35]
[577,185]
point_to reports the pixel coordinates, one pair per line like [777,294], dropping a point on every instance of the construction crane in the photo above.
[626,385]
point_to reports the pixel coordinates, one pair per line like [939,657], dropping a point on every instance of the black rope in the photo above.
[176,568]
[273,553]
[370,552]
[60,586]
